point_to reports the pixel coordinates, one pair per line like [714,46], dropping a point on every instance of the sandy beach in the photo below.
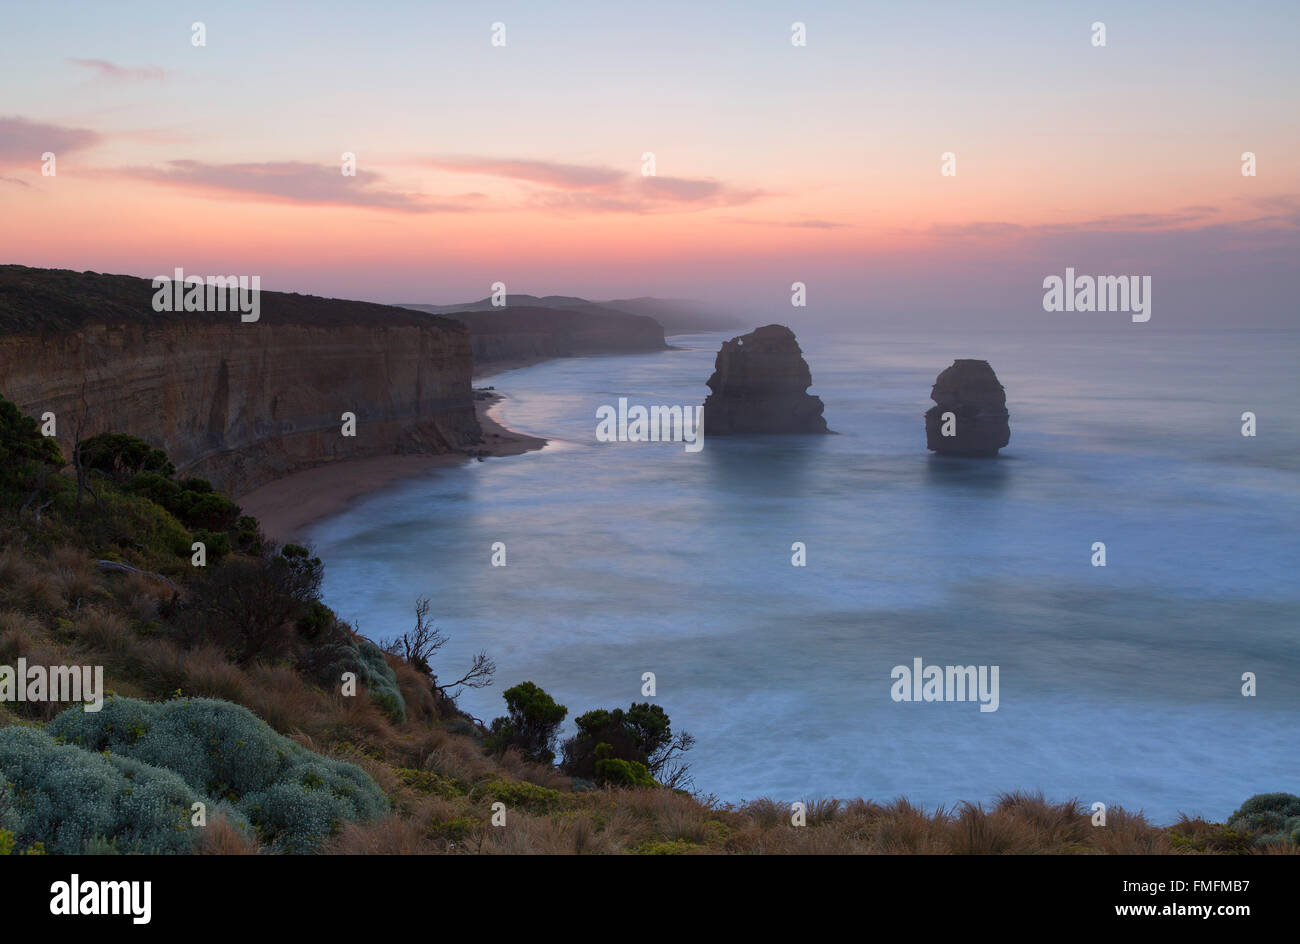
[288,506]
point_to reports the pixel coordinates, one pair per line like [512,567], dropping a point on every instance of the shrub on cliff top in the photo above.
[295,797]
[119,457]
[68,798]
[530,725]
[641,737]
[193,501]
[250,605]
[618,772]
[122,523]
[26,457]
[367,660]
[1272,817]
[381,681]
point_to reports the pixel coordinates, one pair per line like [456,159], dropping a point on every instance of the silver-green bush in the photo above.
[372,669]
[295,797]
[380,680]
[71,799]
[1272,817]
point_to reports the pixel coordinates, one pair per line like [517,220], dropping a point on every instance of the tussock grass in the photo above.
[104,632]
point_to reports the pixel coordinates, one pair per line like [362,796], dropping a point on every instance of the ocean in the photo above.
[1119,684]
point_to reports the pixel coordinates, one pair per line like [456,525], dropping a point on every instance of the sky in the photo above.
[523,163]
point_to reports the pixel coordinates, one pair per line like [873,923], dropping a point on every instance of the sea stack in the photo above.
[760,383]
[970,391]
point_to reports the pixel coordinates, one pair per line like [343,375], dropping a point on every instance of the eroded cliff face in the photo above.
[242,404]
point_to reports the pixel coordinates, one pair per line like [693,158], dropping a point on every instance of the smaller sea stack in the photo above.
[978,427]
[760,383]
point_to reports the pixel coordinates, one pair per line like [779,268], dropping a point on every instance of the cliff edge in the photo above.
[239,404]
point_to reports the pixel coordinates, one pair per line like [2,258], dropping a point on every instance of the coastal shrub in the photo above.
[68,798]
[130,524]
[616,772]
[248,536]
[1272,817]
[26,457]
[193,501]
[520,795]
[216,544]
[295,797]
[156,487]
[426,781]
[315,622]
[118,457]
[250,605]
[367,661]
[380,680]
[640,737]
[530,724]
[208,511]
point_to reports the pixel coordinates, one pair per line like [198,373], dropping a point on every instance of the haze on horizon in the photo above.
[774,163]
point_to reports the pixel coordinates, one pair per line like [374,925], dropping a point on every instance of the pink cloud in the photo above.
[296,182]
[23,141]
[550,173]
[107,70]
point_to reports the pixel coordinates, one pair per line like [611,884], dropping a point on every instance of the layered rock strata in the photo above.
[759,385]
[236,403]
[970,414]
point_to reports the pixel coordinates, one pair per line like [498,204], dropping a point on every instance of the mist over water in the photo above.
[1119,684]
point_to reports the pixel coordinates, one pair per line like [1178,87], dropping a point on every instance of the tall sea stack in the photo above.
[759,383]
[978,427]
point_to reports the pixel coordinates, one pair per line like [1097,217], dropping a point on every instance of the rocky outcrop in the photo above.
[970,391]
[760,384]
[238,404]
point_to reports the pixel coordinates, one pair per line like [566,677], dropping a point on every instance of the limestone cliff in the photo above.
[236,403]
[759,385]
[979,426]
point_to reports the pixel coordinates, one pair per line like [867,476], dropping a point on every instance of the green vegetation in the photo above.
[531,723]
[1273,819]
[525,796]
[627,748]
[28,460]
[67,797]
[227,690]
[296,798]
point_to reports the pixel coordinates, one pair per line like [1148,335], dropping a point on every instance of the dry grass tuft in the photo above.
[219,837]
[104,632]
[209,674]
[74,576]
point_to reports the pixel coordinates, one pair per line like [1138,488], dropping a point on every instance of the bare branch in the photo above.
[480,675]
